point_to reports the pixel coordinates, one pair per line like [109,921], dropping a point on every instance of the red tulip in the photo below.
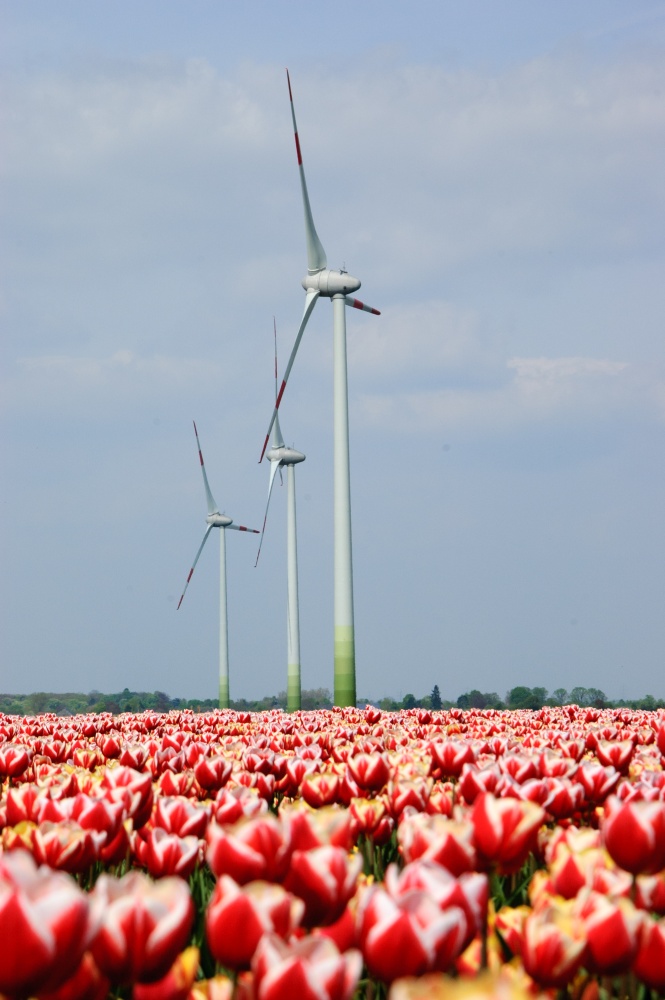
[408,935]
[44,921]
[325,879]
[403,794]
[597,781]
[649,965]
[14,760]
[66,846]
[476,780]
[87,983]
[553,945]
[506,830]
[251,849]
[212,773]
[320,789]
[176,984]
[634,835]
[470,892]
[370,771]
[613,753]
[612,929]
[311,969]
[142,926]
[450,756]
[24,803]
[238,917]
[437,838]
[651,893]
[232,804]
[178,815]
[134,790]
[311,828]
[165,853]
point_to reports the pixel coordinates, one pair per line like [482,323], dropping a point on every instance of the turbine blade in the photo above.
[241,527]
[316,255]
[196,559]
[310,301]
[277,439]
[357,304]
[274,466]
[212,506]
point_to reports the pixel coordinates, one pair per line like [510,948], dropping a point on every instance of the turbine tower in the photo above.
[217,520]
[319,281]
[279,455]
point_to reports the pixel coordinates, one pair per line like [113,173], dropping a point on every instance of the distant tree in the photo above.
[161,702]
[524,697]
[389,705]
[37,702]
[559,696]
[463,701]
[435,698]
[409,701]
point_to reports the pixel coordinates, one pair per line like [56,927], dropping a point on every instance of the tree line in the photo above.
[158,701]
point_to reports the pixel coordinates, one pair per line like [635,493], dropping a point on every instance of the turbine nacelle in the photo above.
[328,283]
[218,520]
[285,456]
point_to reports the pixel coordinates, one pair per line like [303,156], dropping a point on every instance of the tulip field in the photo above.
[333,854]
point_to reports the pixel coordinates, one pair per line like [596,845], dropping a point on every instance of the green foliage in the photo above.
[520,697]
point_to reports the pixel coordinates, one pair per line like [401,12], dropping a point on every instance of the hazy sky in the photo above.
[493,173]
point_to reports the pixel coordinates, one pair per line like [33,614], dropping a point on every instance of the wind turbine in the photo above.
[321,281]
[279,455]
[217,520]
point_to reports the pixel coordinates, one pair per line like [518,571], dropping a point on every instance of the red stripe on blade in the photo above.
[201,456]
[279,395]
[298,149]
[190,574]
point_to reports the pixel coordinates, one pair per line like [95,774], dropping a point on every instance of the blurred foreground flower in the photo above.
[311,969]
[238,917]
[44,922]
[142,926]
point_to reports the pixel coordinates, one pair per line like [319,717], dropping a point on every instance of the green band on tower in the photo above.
[293,702]
[345,666]
[224,693]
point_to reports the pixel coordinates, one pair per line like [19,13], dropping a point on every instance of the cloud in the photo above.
[554,390]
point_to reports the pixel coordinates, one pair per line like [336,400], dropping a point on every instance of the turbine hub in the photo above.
[285,456]
[219,520]
[329,283]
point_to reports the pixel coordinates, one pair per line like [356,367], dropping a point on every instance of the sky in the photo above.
[493,173]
